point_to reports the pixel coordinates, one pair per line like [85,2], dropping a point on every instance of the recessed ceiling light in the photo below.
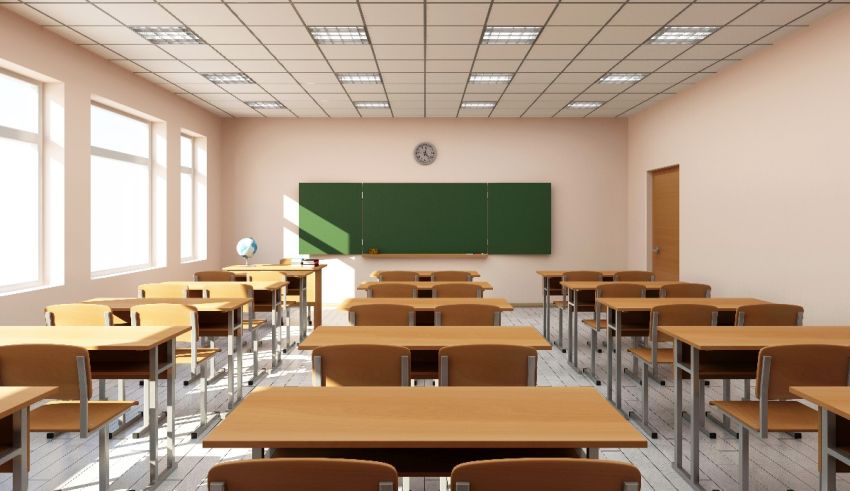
[510,34]
[265,104]
[372,105]
[228,78]
[168,34]
[359,78]
[621,78]
[339,34]
[681,34]
[478,105]
[490,78]
[584,104]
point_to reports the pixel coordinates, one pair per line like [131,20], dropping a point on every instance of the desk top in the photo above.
[424,338]
[202,304]
[646,304]
[423,285]
[420,272]
[256,285]
[284,268]
[425,304]
[551,273]
[14,399]
[424,417]
[747,338]
[833,399]
[592,285]
[92,338]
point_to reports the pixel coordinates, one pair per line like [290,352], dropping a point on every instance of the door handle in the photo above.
[656,250]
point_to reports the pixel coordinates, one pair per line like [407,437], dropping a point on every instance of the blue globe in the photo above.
[246,247]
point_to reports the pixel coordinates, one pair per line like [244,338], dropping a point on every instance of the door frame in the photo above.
[649,255]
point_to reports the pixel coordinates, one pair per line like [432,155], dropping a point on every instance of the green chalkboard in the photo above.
[424,218]
[519,218]
[330,218]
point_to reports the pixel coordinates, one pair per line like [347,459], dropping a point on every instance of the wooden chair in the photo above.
[382,315]
[165,314]
[163,290]
[302,474]
[242,291]
[685,290]
[263,301]
[634,276]
[488,365]
[398,276]
[78,314]
[467,315]
[597,323]
[458,290]
[215,276]
[653,356]
[555,474]
[68,368]
[451,276]
[769,314]
[391,290]
[361,365]
[584,301]
[780,367]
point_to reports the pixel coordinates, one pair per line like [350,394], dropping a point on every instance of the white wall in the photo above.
[765,173]
[583,159]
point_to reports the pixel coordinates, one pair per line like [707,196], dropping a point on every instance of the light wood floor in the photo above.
[778,463]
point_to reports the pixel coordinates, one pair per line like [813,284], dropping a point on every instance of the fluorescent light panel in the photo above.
[359,78]
[510,34]
[339,34]
[265,104]
[478,105]
[681,34]
[621,78]
[584,104]
[372,105]
[228,78]
[168,34]
[490,78]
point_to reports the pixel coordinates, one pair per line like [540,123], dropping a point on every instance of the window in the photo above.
[192,198]
[121,224]
[21,251]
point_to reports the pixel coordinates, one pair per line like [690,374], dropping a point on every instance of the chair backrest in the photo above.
[781,367]
[381,315]
[634,276]
[361,365]
[620,290]
[488,365]
[266,276]
[165,314]
[681,315]
[77,314]
[458,290]
[229,290]
[466,315]
[391,290]
[398,276]
[451,276]
[47,365]
[582,276]
[163,290]
[302,474]
[769,314]
[215,276]
[685,290]
[546,475]
[285,261]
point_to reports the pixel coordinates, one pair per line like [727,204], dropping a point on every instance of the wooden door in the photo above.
[665,223]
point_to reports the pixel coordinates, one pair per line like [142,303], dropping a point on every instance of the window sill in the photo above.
[114,273]
[30,289]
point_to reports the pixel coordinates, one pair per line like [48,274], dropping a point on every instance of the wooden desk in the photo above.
[424,342]
[294,271]
[617,306]
[112,349]
[834,404]
[426,304]
[741,342]
[551,286]
[14,413]
[210,311]
[421,286]
[390,423]
[424,274]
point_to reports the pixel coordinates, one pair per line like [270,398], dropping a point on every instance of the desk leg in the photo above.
[827,442]
[677,407]
[274,318]
[20,441]
[317,310]
[546,309]
[239,374]
[151,410]
[619,362]
[609,389]
[230,349]
[697,414]
[170,397]
[302,312]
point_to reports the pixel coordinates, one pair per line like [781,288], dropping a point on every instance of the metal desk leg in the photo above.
[20,441]
[239,374]
[827,442]
[171,432]
[274,319]
[151,410]
[677,407]
[302,312]
[697,414]
[609,389]
[619,362]
[230,349]
[546,308]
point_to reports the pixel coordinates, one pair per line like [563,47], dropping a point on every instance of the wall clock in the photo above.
[425,153]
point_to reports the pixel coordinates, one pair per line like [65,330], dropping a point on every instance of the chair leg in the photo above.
[561,329]
[103,462]
[643,421]
[101,390]
[744,463]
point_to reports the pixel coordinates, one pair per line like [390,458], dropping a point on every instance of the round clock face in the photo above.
[425,153]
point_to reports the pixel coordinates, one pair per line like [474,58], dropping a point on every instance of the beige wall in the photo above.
[583,159]
[765,173]
[84,76]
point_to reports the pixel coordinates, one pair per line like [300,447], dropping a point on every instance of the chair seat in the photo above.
[184,355]
[64,416]
[592,323]
[561,304]
[664,356]
[251,325]
[787,416]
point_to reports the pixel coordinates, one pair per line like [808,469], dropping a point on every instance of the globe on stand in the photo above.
[246,247]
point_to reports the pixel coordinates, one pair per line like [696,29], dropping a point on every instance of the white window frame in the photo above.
[38,139]
[148,162]
[192,172]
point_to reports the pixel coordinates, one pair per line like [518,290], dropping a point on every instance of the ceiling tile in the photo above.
[283,88]
[31,14]
[624,34]
[354,65]
[264,78]
[111,35]
[519,14]
[192,51]
[685,65]
[259,66]
[239,89]
[658,51]
[243,51]
[710,14]
[451,51]
[448,65]
[606,51]
[738,35]
[399,51]
[179,78]
[329,14]
[446,78]
[402,65]
[402,14]
[495,65]
[526,88]
[567,88]
[140,14]
[139,51]
[266,14]
[296,51]
[405,88]
[76,14]
[590,65]
[104,52]
[539,78]
[306,65]
[457,14]
[211,65]
[454,34]
[128,65]
[772,14]
[647,14]
[397,35]
[567,35]
[347,52]
[583,14]
[578,77]
[402,78]
[444,88]
[225,34]
[638,66]
[283,34]
[554,51]
[503,51]
[203,14]
[709,52]
[164,66]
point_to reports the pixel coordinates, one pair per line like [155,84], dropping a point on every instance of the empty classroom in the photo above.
[424,245]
